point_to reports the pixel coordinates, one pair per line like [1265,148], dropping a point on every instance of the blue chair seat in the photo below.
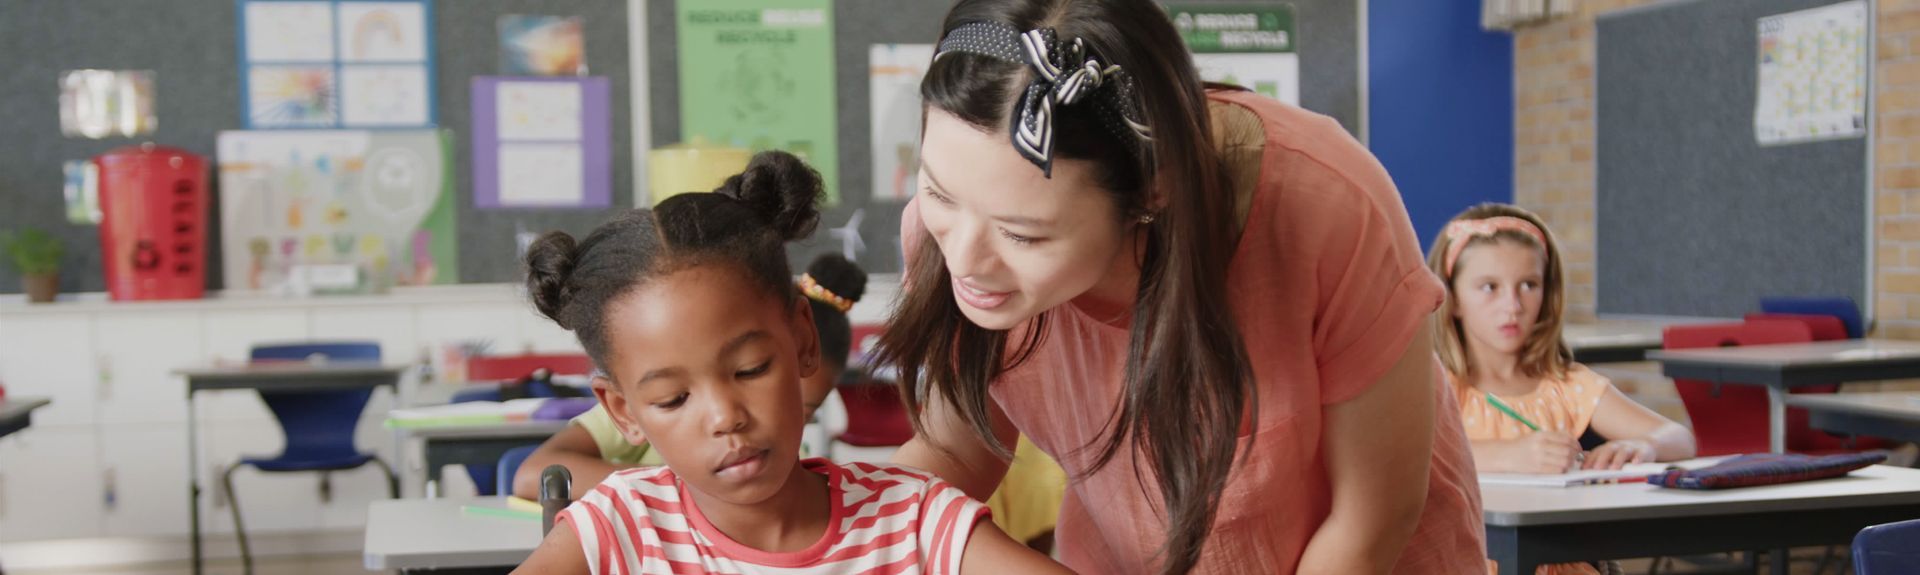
[283,464]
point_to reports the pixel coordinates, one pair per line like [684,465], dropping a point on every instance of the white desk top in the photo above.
[1507,506]
[436,534]
[533,429]
[1895,405]
[19,406]
[1621,334]
[1797,354]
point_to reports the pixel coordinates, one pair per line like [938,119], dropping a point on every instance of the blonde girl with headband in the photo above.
[1524,401]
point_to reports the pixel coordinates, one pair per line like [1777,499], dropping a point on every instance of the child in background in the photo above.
[703,341]
[593,448]
[1523,400]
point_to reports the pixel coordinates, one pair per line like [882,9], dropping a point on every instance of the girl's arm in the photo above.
[572,447]
[1378,447]
[1545,452]
[558,553]
[950,450]
[1635,434]
[991,552]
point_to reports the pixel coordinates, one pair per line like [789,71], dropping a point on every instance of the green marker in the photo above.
[1497,404]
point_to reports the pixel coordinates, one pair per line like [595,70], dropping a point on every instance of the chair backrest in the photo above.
[875,415]
[1729,419]
[1839,307]
[1823,327]
[512,367]
[318,424]
[508,466]
[556,485]
[1888,549]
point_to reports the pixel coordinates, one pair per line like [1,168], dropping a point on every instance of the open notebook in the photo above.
[1635,473]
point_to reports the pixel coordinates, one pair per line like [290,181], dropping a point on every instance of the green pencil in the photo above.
[1497,404]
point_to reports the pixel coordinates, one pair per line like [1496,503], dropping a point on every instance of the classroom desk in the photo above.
[17,413]
[468,444]
[1889,415]
[1785,366]
[1532,526]
[278,376]
[422,535]
[1621,342]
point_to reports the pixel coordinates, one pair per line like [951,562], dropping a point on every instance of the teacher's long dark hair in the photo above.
[1188,385]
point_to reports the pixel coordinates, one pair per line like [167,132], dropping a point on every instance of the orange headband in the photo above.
[820,293]
[1461,232]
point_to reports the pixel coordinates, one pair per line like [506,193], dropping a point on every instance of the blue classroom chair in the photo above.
[319,427]
[1839,307]
[509,464]
[1889,549]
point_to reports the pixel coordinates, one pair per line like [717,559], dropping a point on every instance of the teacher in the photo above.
[1207,305]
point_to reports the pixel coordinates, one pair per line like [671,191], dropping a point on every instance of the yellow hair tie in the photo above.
[821,294]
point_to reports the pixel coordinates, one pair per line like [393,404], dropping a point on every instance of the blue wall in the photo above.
[1440,106]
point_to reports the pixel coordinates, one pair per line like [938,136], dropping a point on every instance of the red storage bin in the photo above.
[153,226]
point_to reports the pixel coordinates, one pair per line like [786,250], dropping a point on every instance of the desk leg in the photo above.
[433,469]
[193,480]
[1776,419]
[1777,560]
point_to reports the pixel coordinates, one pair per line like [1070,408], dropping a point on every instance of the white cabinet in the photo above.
[145,468]
[50,486]
[139,350]
[51,356]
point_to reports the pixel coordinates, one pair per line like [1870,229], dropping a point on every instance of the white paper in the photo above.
[292,96]
[384,96]
[289,31]
[1813,75]
[538,111]
[893,75]
[543,174]
[382,32]
[1274,75]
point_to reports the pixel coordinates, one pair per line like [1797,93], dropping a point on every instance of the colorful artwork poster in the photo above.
[106,103]
[893,80]
[336,64]
[1813,75]
[759,75]
[379,201]
[542,46]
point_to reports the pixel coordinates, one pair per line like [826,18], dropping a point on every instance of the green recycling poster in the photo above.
[758,75]
[1250,45]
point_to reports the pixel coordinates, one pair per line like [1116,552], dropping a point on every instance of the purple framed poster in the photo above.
[541,142]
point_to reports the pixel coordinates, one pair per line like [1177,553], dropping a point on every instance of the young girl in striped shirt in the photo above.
[689,311]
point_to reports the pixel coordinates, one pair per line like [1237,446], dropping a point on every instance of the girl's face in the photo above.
[707,369]
[1016,243]
[1497,290]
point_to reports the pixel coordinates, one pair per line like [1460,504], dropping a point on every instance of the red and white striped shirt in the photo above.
[885,520]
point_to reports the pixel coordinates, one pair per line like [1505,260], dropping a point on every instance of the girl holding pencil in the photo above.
[1523,400]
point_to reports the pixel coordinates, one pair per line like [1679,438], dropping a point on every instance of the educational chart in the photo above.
[758,74]
[893,79]
[1245,45]
[542,142]
[1813,75]
[376,201]
[341,63]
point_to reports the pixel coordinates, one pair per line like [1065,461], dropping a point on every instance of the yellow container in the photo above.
[694,167]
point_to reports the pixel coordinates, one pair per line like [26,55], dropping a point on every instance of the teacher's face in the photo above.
[1016,243]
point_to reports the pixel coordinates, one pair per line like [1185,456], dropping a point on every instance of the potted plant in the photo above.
[36,255]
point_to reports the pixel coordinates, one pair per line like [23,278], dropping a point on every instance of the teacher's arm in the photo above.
[1377,447]
[949,448]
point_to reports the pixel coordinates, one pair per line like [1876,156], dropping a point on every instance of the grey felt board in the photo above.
[1695,218]
[192,47]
